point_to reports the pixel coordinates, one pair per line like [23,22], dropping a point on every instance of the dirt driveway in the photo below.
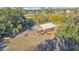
[26,41]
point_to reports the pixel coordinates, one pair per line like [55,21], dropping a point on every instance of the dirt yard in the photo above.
[27,41]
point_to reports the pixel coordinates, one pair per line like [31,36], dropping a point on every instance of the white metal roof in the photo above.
[45,26]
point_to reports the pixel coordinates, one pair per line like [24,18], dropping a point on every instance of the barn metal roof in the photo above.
[45,26]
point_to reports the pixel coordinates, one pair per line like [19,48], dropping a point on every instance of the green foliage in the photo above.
[12,21]
[69,30]
[68,25]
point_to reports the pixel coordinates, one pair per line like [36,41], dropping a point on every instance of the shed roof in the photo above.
[45,26]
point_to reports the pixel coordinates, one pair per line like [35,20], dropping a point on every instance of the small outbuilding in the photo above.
[45,28]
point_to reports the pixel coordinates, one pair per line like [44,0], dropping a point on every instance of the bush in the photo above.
[58,44]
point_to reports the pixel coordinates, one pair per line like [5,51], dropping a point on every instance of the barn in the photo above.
[45,28]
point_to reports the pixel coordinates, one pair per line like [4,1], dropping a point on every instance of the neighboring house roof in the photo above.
[44,26]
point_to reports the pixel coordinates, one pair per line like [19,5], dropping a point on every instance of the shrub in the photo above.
[58,44]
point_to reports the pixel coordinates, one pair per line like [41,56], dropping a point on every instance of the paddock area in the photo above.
[27,41]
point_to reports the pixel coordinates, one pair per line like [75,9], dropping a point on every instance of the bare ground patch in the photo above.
[26,41]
